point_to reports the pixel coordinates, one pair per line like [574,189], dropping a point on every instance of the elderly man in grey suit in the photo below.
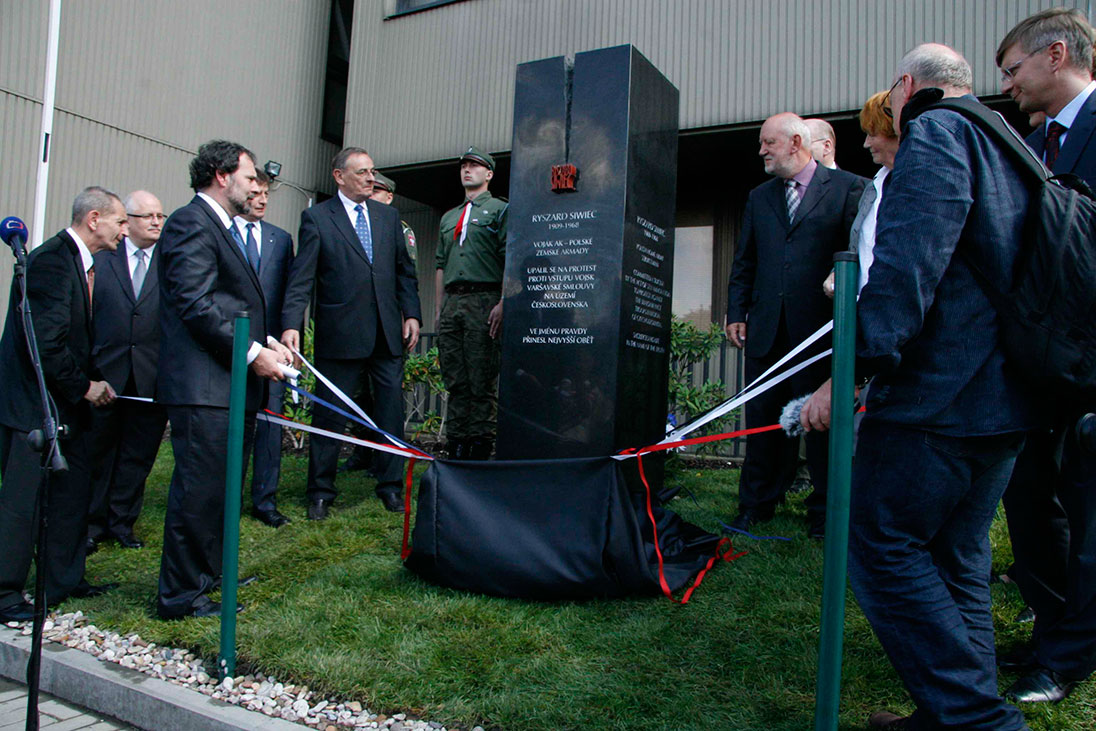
[792,226]
[126,435]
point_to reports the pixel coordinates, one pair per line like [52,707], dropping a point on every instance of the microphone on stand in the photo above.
[14,233]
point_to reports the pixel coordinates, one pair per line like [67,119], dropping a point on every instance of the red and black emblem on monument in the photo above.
[564,178]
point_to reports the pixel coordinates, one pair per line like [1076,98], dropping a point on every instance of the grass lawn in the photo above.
[335,609]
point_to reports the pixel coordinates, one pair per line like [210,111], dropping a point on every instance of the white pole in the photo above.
[46,138]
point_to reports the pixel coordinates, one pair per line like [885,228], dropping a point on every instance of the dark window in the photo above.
[338,71]
[403,7]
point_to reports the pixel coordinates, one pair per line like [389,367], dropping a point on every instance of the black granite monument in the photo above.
[590,252]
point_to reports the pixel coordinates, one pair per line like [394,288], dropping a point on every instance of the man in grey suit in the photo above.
[792,226]
[351,252]
[270,252]
[126,435]
[1046,66]
[205,279]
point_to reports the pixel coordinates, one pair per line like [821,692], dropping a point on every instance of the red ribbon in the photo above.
[405,550]
[722,549]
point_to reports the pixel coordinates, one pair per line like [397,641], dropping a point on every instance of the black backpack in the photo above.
[1048,314]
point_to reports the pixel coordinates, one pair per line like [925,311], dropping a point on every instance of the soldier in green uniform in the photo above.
[468,313]
[384,190]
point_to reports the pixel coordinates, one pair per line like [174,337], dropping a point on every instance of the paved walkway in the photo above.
[53,714]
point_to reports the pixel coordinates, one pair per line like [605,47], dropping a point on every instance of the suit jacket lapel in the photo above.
[1077,137]
[227,239]
[815,192]
[81,276]
[342,224]
[778,202]
[266,251]
[120,265]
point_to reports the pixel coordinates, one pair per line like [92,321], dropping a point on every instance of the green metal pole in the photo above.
[234,474]
[828,690]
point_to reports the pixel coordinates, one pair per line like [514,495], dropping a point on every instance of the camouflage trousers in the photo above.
[469,359]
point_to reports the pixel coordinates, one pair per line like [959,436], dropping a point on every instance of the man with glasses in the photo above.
[351,252]
[945,414]
[126,435]
[1046,66]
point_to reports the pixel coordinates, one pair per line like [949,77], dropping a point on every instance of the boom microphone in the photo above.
[14,232]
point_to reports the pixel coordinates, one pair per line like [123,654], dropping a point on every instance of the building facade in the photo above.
[142,83]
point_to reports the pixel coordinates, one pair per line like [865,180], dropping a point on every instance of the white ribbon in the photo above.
[401,451]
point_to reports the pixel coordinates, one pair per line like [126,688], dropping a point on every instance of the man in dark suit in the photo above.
[205,279]
[945,414]
[272,250]
[60,286]
[351,252]
[1046,66]
[126,435]
[792,226]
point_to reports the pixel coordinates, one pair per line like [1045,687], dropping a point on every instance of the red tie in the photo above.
[460,223]
[91,283]
[1054,132]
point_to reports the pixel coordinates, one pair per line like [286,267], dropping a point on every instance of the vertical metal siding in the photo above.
[447,74]
[138,92]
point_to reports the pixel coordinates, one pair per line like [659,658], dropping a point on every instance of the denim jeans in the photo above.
[919,563]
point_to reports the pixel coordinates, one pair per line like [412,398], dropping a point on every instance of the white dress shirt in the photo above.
[242,224]
[353,215]
[85,252]
[866,244]
[131,255]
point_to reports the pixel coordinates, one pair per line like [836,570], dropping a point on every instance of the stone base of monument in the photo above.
[551,530]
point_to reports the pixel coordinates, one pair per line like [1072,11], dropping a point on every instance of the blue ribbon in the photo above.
[731,529]
[348,415]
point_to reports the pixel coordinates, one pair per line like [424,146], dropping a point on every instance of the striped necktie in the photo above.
[792,197]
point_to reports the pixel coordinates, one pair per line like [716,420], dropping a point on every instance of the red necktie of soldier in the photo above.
[457,235]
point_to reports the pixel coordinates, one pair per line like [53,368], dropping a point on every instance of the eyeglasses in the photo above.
[154,216]
[1008,74]
[887,108]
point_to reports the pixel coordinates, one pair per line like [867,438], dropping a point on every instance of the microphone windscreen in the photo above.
[789,417]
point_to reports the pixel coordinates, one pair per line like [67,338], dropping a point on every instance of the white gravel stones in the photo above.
[258,692]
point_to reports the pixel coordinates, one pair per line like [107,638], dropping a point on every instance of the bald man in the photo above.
[823,142]
[126,435]
[792,226]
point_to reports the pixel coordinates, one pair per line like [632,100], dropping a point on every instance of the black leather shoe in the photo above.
[245,581]
[392,501]
[20,612]
[1017,659]
[750,517]
[1041,685]
[480,448]
[91,547]
[318,509]
[888,721]
[1026,616]
[212,609]
[128,540]
[816,528]
[84,590]
[270,517]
